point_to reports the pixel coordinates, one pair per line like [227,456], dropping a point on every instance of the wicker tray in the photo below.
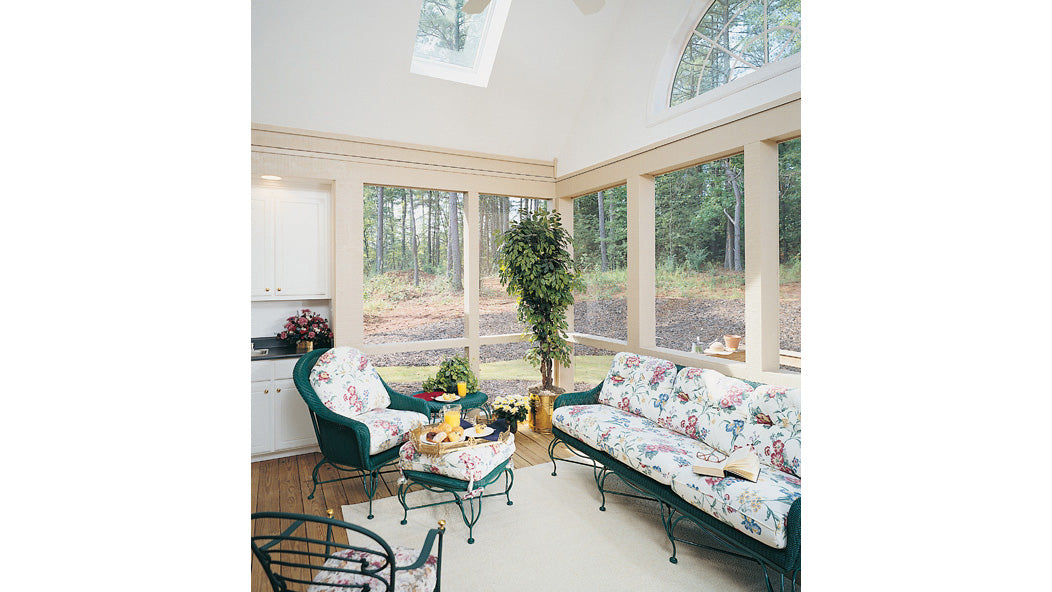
[426,447]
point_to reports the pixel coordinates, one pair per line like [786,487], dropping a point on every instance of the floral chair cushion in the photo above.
[760,510]
[638,384]
[708,406]
[773,427]
[466,464]
[346,382]
[390,427]
[421,579]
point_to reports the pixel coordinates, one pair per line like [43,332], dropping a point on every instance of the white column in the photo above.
[761,257]
[471,278]
[641,290]
[348,294]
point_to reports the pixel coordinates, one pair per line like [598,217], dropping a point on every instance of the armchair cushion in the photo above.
[638,384]
[346,382]
[421,579]
[390,427]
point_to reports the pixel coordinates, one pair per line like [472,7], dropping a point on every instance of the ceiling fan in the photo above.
[585,6]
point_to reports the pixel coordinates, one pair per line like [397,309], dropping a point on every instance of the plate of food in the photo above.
[444,432]
[475,433]
[448,397]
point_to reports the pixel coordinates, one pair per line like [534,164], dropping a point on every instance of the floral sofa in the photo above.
[650,421]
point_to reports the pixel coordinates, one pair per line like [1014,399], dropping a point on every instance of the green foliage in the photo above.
[536,267]
[452,371]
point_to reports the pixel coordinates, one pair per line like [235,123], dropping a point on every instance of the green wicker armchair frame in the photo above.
[345,442]
[292,556]
[674,509]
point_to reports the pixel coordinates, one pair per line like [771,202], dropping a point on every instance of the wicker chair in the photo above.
[294,556]
[346,442]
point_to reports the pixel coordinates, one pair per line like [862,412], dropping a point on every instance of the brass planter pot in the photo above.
[541,407]
[303,347]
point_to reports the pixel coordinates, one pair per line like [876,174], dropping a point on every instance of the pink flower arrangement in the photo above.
[307,326]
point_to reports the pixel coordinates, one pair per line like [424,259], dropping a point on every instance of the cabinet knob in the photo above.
[279,289]
[265,391]
[279,390]
[266,289]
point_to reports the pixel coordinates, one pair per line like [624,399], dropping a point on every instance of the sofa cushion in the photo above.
[600,426]
[773,427]
[760,510]
[638,384]
[390,427]
[708,406]
[346,382]
[421,579]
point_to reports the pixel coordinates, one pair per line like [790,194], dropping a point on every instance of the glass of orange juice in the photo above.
[451,415]
[462,388]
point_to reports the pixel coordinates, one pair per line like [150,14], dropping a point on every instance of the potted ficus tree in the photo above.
[537,268]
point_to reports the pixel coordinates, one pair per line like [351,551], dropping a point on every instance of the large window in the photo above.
[498,310]
[699,217]
[600,229]
[789,253]
[414,280]
[732,39]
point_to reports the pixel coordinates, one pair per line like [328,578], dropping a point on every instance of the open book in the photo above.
[741,463]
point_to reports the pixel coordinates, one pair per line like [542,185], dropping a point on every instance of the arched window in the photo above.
[732,39]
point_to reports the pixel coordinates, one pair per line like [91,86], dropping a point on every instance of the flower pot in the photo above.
[732,341]
[303,347]
[542,405]
[513,425]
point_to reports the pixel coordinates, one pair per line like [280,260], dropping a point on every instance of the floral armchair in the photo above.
[359,420]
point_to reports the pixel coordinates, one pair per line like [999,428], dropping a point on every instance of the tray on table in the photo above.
[500,434]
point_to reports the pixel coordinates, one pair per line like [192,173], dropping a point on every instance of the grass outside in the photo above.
[590,369]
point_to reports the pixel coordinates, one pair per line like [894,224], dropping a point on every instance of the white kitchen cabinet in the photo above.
[281,423]
[291,238]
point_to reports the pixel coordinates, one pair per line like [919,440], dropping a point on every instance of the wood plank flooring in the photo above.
[283,485]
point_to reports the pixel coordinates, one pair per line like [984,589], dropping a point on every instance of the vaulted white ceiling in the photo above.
[564,85]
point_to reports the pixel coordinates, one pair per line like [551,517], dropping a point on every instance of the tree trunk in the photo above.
[412,229]
[453,248]
[602,232]
[404,200]
[380,231]
[733,179]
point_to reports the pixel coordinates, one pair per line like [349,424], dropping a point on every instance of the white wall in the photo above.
[268,318]
[614,117]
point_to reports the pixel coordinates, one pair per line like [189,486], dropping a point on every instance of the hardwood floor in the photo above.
[283,485]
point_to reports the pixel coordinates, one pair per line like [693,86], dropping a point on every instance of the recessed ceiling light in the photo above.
[270,177]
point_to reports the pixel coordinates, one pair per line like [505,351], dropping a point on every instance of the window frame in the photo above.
[479,74]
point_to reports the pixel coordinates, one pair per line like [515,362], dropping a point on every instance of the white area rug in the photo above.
[555,538]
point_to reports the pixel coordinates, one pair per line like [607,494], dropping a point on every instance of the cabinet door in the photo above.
[292,424]
[301,244]
[262,417]
[262,248]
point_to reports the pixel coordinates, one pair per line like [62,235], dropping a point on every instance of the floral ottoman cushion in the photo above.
[421,579]
[638,384]
[346,382]
[466,464]
[390,427]
[760,510]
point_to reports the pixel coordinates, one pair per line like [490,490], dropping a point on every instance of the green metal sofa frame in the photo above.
[785,562]
[344,442]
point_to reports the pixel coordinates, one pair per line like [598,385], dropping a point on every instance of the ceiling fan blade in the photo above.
[475,6]
[589,6]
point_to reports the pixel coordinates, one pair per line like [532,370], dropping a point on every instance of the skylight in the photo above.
[457,46]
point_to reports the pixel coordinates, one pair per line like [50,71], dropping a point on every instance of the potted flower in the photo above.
[306,329]
[512,408]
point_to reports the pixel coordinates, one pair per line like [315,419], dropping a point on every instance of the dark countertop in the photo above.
[278,349]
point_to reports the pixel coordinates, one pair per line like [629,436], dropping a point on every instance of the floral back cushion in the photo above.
[773,427]
[708,406]
[346,382]
[638,384]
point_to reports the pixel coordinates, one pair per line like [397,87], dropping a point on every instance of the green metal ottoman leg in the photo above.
[402,490]
[509,480]
[476,513]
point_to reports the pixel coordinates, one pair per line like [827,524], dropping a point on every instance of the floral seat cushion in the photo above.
[638,384]
[421,579]
[466,464]
[760,510]
[598,426]
[390,427]
[346,382]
